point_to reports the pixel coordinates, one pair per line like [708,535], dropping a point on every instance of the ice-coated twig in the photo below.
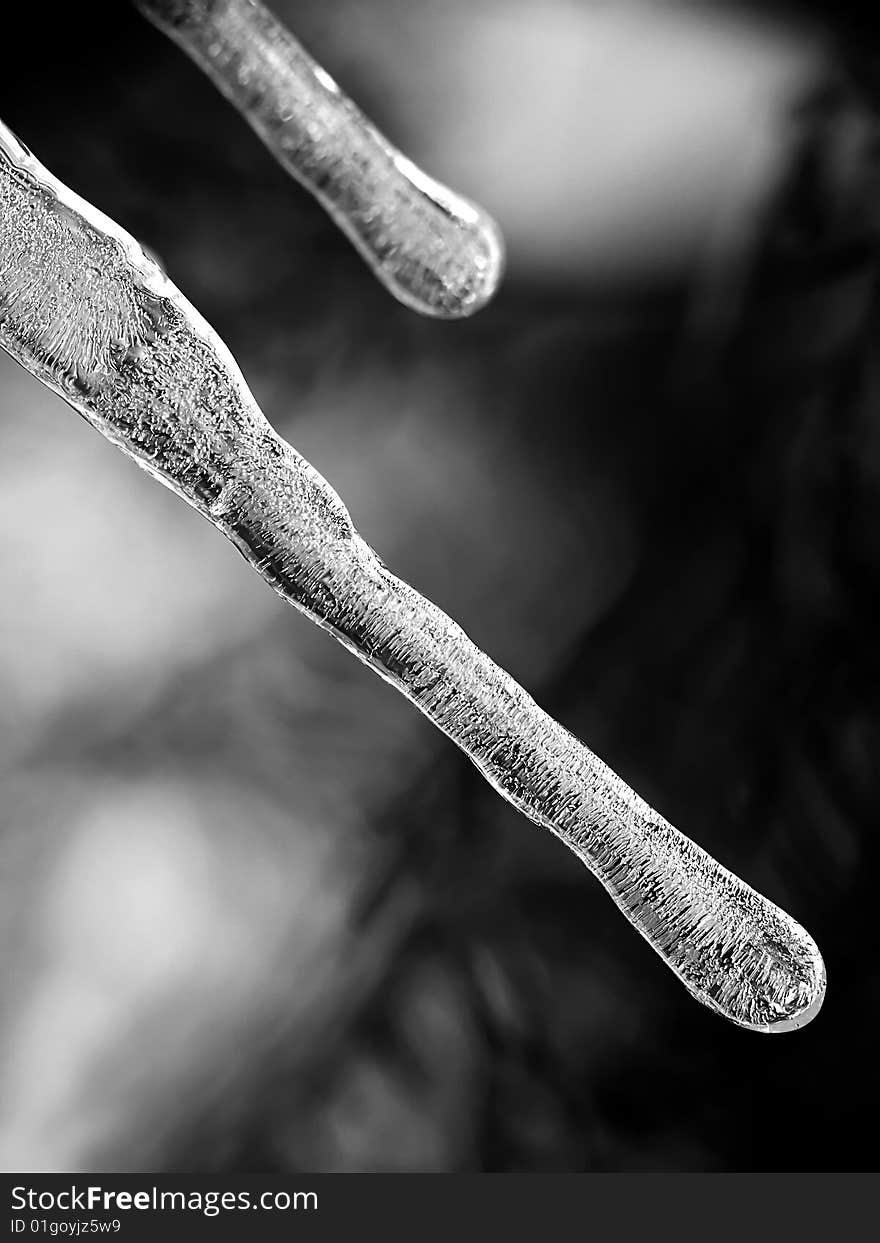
[434,250]
[90,314]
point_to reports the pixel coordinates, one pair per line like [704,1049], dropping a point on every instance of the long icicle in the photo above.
[87,312]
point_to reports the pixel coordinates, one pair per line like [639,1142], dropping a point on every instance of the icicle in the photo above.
[85,310]
[434,250]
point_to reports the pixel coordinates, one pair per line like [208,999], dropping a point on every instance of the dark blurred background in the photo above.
[256,914]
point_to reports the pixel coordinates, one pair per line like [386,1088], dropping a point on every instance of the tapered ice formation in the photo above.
[85,310]
[434,250]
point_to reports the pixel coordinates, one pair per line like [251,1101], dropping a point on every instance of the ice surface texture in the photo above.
[87,312]
[434,250]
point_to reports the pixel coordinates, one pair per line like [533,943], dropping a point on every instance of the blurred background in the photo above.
[257,915]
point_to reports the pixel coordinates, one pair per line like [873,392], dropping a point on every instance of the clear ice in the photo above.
[91,315]
[434,250]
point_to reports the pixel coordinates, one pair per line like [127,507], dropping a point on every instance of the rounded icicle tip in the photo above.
[489,264]
[807,1001]
[770,983]
[455,283]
